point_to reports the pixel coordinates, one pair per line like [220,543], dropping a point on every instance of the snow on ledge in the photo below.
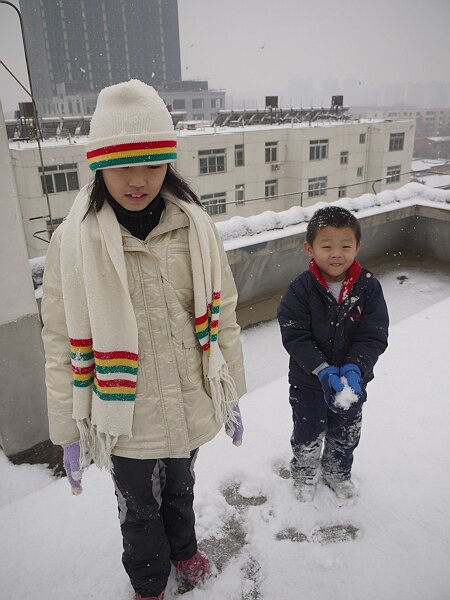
[239,232]
[235,232]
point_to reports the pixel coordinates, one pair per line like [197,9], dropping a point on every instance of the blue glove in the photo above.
[353,375]
[331,383]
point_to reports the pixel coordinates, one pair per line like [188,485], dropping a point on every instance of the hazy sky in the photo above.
[252,47]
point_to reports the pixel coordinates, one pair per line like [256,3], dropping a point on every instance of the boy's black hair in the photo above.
[332,216]
[172,181]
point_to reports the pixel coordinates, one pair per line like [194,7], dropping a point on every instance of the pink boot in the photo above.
[158,597]
[194,569]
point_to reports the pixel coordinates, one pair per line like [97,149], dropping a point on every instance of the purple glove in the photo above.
[235,429]
[71,461]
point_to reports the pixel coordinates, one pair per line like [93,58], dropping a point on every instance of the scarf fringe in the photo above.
[95,446]
[224,397]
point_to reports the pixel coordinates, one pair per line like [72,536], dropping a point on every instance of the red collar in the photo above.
[351,276]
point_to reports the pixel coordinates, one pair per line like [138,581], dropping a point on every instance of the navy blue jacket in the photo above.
[315,328]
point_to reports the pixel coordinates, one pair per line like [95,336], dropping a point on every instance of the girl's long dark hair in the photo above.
[172,181]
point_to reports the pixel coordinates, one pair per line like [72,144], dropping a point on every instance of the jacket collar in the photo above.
[172,218]
[351,277]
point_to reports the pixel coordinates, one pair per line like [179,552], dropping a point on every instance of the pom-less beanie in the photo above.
[130,126]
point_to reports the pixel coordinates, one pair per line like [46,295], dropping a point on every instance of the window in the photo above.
[359,172]
[362,138]
[197,102]
[60,178]
[215,204]
[179,104]
[216,103]
[396,141]
[342,191]
[317,186]
[239,193]
[239,155]
[211,161]
[271,152]
[271,188]
[318,149]
[344,158]
[393,174]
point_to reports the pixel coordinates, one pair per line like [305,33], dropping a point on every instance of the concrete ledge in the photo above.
[23,408]
[264,270]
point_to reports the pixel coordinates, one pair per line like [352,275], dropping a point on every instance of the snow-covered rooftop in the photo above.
[424,164]
[244,231]
[209,130]
[436,181]
[265,542]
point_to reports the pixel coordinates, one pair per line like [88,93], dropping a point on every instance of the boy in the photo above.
[334,324]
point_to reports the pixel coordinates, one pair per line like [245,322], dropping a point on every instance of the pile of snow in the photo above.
[269,220]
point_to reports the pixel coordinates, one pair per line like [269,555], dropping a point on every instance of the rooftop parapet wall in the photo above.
[265,251]
[416,223]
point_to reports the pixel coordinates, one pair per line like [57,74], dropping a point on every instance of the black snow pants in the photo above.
[321,437]
[155,499]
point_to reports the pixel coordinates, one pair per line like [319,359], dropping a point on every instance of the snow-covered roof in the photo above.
[238,232]
[206,130]
[436,181]
[427,164]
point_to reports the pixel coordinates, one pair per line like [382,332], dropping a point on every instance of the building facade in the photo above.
[193,100]
[432,147]
[234,170]
[85,45]
[429,121]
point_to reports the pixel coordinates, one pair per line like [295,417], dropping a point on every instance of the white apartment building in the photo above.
[429,121]
[235,170]
[201,105]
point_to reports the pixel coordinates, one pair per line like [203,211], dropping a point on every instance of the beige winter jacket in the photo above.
[173,413]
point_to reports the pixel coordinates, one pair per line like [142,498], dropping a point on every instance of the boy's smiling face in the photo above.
[334,249]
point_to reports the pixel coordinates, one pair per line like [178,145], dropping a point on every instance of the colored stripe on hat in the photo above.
[132,153]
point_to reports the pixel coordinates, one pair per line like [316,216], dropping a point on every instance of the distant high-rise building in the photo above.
[86,45]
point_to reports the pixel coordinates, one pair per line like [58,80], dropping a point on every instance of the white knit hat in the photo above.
[130,125]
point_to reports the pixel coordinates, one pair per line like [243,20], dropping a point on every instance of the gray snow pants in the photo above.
[155,499]
[318,428]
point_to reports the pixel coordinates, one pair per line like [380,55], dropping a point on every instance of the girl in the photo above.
[143,356]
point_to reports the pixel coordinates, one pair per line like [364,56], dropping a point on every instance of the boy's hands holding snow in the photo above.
[342,388]
[71,461]
[353,375]
[235,429]
[331,383]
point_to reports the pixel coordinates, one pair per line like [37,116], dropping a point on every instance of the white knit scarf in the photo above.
[103,330]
